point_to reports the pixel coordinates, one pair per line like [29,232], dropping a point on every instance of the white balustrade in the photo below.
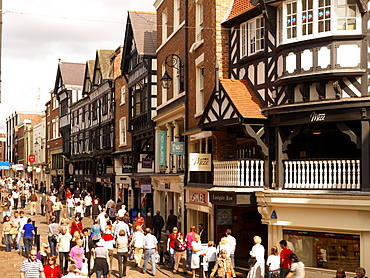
[248,172]
[322,174]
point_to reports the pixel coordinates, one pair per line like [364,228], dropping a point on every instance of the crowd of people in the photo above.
[73,250]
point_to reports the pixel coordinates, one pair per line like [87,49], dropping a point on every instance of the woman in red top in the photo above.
[51,268]
[68,193]
[139,219]
[171,246]
[76,226]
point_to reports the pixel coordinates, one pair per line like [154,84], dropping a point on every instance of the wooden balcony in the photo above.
[322,174]
[241,172]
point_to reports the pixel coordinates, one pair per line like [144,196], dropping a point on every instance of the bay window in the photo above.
[307,19]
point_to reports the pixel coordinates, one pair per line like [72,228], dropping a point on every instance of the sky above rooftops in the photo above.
[39,32]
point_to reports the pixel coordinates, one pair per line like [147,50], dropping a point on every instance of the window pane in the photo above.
[351,24]
[341,11]
[351,11]
[325,250]
[341,24]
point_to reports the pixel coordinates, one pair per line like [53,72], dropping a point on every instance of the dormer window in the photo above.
[307,19]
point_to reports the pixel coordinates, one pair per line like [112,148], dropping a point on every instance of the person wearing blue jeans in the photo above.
[28,232]
[150,249]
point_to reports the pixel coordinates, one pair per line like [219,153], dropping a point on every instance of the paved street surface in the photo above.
[10,262]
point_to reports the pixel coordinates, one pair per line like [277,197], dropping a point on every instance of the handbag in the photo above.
[131,255]
[13,231]
[252,261]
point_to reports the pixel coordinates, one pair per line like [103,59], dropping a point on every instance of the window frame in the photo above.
[123,131]
[333,13]
[246,33]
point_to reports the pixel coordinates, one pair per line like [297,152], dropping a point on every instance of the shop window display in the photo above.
[325,250]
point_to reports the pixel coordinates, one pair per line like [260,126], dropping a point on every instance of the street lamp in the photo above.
[173,61]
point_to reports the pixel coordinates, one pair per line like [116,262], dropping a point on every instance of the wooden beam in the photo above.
[256,136]
[288,141]
[346,130]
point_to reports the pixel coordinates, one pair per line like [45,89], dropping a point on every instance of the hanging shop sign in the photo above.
[162,147]
[60,171]
[47,171]
[126,168]
[178,148]
[146,188]
[200,162]
[223,198]
[19,167]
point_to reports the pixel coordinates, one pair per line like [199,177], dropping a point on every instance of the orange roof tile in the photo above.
[239,7]
[243,98]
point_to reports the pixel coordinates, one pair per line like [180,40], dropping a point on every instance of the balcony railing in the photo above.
[245,172]
[322,174]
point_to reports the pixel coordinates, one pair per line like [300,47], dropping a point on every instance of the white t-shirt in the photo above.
[232,242]
[88,200]
[273,262]
[70,203]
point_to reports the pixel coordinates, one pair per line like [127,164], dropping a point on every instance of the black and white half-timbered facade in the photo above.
[92,129]
[139,66]
[306,63]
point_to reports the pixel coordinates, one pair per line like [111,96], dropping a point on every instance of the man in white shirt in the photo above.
[121,225]
[15,196]
[52,198]
[102,218]
[63,248]
[150,249]
[70,206]
[232,242]
[88,204]
[121,212]
[22,221]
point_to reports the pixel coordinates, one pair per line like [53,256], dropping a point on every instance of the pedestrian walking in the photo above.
[297,268]
[28,234]
[258,252]
[63,247]
[171,221]
[202,234]
[70,205]
[158,224]
[15,195]
[22,197]
[7,237]
[232,242]
[171,246]
[48,209]
[76,226]
[137,243]
[101,261]
[52,269]
[33,200]
[96,230]
[223,267]
[273,263]
[88,204]
[42,255]
[122,253]
[76,255]
[32,267]
[43,200]
[284,258]
[22,221]
[180,253]
[88,246]
[95,209]
[53,231]
[57,208]
[211,256]
[64,221]
[197,251]
[189,248]
[148,222]
[150,249]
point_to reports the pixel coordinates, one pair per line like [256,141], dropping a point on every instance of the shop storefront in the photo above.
[199,210]
[326,231]
[168,194]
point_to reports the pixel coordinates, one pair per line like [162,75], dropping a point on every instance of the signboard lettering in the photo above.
[146,188]
[31,158]
[162,155]
[196,197]
[223,198]
[199,162]
[178,148]
[146,163]
[317,117]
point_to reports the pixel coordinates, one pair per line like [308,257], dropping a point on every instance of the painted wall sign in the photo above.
[162,155]
[197,197]
[317,117]
[146,163]
[146,188]
[199,162]
[224,217]
[126,168]
[222,198]
[178,148]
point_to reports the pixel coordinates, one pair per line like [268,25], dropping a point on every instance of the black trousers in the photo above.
[63,261]
[122,263]
[157,234]
[15,203]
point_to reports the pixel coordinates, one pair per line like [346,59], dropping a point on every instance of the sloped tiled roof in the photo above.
[72,73]
[90,67]
[243,98]
[103,57]
[239,7]
[144,26]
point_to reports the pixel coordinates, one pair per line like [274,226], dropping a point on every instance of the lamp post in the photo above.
[173,61]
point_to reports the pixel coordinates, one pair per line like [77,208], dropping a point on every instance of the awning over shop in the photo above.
[71,179]
[4,165]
